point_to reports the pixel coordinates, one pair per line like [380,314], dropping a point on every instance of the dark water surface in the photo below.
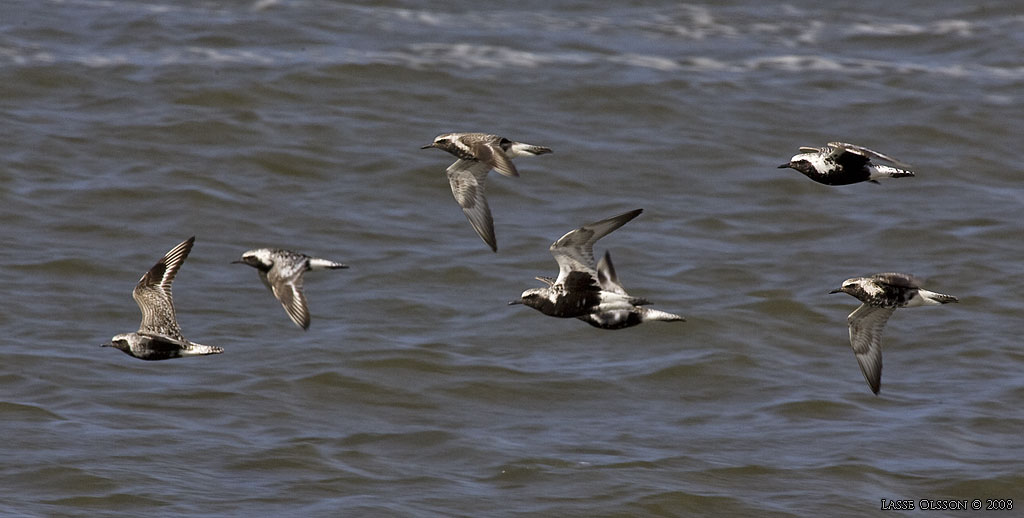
[129,126]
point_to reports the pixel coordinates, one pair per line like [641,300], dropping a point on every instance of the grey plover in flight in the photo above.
[159,337]
[281,271]
[880,295]
[477,154]
[621,318]
[581,291]
[839,163]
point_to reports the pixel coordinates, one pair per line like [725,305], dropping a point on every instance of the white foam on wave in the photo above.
[122,6]
[959,28]
[796,63]
[23,57]
[429,18]
[690,22]
[231,56]
[466,55]
[815,63]
[471,56]
[643,61]
[649,39]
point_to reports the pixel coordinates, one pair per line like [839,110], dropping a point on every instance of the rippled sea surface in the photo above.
[129,126]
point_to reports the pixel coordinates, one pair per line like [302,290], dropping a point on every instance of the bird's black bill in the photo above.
[838,290]
[107,345]
[783,166]
[428,146]
[514,302]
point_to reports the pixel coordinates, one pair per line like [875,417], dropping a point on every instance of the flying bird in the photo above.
[159,337]
[477,154]
[839,163]
[582,291]
[880,295]
[281,271]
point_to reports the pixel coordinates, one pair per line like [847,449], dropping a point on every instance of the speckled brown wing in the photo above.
[288,290]
[153,293]
[487,150]
[467,179]
[866,324]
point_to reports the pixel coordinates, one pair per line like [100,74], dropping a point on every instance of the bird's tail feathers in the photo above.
[885,171]
[936,298]
[664,316]
[195,349]
[324,264]
[521,149]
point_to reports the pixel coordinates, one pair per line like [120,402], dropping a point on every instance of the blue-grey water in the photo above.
[126,127]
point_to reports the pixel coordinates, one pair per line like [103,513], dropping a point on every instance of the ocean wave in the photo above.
[957,28]
[660,39]
[468,56]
